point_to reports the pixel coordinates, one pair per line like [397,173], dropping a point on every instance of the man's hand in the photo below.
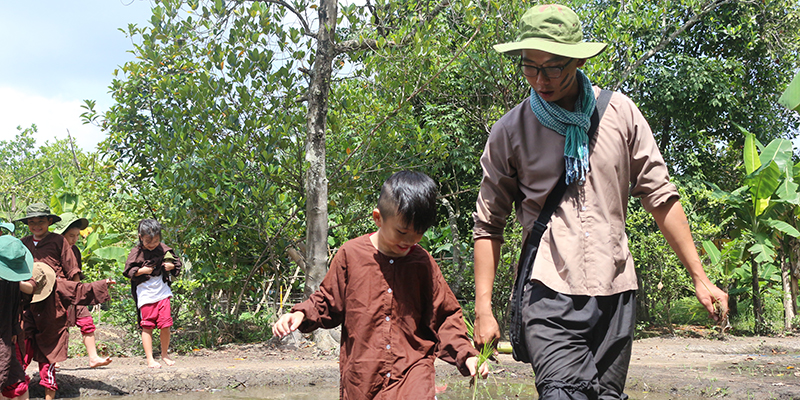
[472,364]
[714,299]
[287,323]
[485,330]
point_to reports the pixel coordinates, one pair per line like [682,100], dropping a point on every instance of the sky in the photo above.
[54,55]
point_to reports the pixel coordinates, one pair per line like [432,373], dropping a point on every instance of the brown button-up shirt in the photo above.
[584,251]
[46,321]
[55,251]
[397,316]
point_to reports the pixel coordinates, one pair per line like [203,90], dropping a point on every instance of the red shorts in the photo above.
[156,315]
[17,389]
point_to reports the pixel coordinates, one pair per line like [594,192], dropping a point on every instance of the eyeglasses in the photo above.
[531,71]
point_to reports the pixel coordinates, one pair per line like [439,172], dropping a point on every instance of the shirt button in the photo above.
[587,234]
[390,290]
[388,374]
[388,346]
[387,319]
[583,208]
[391,261]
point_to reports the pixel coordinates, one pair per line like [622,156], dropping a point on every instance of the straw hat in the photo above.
[45,279]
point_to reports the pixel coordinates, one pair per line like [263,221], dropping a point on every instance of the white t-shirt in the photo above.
[152,291]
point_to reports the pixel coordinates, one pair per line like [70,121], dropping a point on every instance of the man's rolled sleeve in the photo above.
[498,186]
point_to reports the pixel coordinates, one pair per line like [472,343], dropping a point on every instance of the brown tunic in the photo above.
[55,251]
[11,370]
[397,315]
[46,321]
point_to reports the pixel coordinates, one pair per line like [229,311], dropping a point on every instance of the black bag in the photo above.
[525,265]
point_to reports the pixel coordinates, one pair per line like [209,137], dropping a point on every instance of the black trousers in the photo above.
[580,346]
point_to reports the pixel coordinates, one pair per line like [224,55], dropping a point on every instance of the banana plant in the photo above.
[763,210]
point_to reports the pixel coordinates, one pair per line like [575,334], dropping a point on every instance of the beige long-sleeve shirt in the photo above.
[584,251]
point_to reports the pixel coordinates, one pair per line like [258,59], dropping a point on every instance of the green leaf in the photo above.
[763,252]
[783,227]
[111,253]
[779,151]
[751,160]
[713,252]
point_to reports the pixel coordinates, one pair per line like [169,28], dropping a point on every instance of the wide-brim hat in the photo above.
[38,210]
[69,220]
[791,96]
[554,29]
[16,261]
[7,226]
[45,278]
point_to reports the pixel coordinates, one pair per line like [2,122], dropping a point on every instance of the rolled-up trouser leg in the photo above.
[579,345]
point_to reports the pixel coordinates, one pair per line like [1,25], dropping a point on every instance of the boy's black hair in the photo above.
[412,196]
[149,227]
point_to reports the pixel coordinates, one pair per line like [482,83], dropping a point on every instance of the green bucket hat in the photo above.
[69,220]
[7,226]
[38,210]
[16,262]
[552,28]
[791,96]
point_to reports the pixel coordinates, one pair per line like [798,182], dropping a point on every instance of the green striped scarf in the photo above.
[572,125]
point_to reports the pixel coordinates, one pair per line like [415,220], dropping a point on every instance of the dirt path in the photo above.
[674,368]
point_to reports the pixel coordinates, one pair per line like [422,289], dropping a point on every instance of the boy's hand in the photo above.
[168,266]
[287,323]
[472,364]
[144,271]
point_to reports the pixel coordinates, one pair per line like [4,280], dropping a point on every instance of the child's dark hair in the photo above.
[149,227]
[412,196]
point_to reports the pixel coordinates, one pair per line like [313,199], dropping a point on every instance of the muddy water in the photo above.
[460,390]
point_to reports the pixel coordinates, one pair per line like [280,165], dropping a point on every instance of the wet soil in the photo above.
[666,367]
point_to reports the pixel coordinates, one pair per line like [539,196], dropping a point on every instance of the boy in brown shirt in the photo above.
[396,310]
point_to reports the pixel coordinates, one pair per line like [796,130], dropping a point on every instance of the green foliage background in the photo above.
[207,134]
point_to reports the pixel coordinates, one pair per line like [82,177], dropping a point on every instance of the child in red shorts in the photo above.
[151,265]
[70,227]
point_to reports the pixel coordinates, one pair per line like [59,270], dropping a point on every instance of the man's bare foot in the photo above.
[153,364]
[168,361]
[99,362]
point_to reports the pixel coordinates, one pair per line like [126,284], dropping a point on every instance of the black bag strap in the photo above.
[554,198]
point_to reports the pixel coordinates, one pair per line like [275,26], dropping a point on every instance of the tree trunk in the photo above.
[758,315]
[316,176]
[788,306]
[457,280]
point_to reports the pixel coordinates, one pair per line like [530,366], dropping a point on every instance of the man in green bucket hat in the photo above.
[575,298]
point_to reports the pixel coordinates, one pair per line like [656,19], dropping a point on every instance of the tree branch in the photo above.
[707,8]
[306,29]
[419,90]
[372,44]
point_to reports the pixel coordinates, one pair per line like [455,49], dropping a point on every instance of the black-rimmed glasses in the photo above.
[532,71]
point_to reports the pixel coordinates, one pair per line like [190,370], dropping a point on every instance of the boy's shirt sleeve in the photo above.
[69,264]
[325,308]
[132,265]
[448,324]
[85,294]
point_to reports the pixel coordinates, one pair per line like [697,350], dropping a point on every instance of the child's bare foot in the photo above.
[57,366]
[168,361]
[153,364]
[99,362]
